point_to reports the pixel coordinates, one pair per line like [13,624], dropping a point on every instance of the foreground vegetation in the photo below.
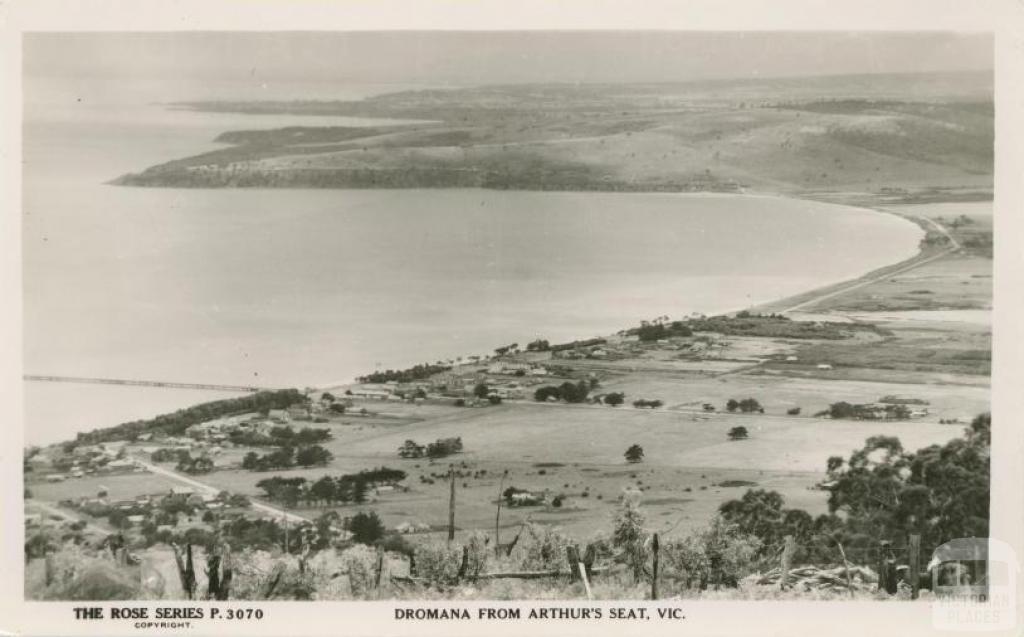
[880,493]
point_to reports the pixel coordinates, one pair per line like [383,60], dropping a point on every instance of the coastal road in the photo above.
[270,510]
[954,245]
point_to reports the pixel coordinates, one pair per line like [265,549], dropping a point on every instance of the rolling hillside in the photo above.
[924,137]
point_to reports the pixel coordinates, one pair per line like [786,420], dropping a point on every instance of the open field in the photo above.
[812,394]
[956,282]
[576,451]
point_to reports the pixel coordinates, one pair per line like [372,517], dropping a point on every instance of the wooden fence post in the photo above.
[586,580]
[881,565]
[380,565]
[573,557]
[272,581]
[497,517]
[654,567]
[787,561]
[464,564]
[887,569]
[846,567]
[49,568]
[589,557]
[190,572]
[186,572]
[213,576]
[451,506]
[914,563]
[226,573]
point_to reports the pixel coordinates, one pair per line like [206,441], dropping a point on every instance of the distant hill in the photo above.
[872,134]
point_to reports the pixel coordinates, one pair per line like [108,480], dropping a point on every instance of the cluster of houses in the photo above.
[86,460]
[143,507]
[527,498]
[216,432]
[504,379]
[406,528]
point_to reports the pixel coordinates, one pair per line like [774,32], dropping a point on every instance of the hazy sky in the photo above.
[503,57]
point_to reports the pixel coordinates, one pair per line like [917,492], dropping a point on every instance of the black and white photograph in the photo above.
[445,318]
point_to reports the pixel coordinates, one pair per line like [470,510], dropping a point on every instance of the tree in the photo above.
[635,453]
[366,528]
[732,405]
[738,433]
[629,535]
[941,492]
[324,490]
[758,513]
[494,399]
[410,449]
[641,403]
[750,405]
[312,455]
[359,490]
[481,390]
[883,492]
[574,393]
[544,393]
[324,530]
[614,399]
[539,345]
[327,397]
[444,447]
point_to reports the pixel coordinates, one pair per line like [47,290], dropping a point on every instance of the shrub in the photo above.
[718,554]
[366,528]
[540,548]
[438,563]
[360,563]
[635,453]
[614,399]
[652,404]
[738,433]
[628,533]
[793,411]
[476,554]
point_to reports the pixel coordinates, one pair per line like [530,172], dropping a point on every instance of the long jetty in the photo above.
[142,383]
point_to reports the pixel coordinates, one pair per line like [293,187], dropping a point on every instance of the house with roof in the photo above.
[372,394]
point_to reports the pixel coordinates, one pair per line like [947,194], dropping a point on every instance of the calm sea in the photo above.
[310,287]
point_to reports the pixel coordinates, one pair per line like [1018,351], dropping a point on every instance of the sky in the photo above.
[468,58]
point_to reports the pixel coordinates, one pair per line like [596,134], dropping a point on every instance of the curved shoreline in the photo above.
[923,255]
[781,304]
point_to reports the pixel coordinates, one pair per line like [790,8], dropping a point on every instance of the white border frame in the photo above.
[1005,18]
